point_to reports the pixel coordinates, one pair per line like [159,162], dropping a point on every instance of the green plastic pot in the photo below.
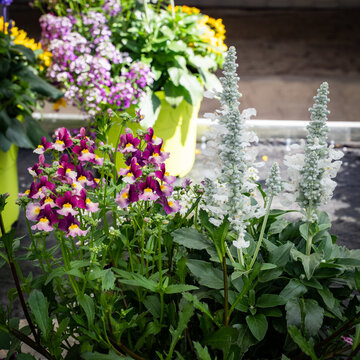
[9,184]
[177,127]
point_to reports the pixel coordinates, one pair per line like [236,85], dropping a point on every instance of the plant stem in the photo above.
[17,284]
[160,278]
[226,292]
[263,226]
[172,4]
[308,239]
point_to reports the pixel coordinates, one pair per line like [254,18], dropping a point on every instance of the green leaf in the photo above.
[34,131]
[25,357]
[270,274]
[40,308]
[108,280]
[280,256]
[174,95]
[293,313]
[314,315]
[100,356]
[203,307]
[16,134]
[222,338]
[193,86]
[87,303]
[139,280]
[206,273]
[28,53]
[175,74]
[179,288]
[177,46]
[149,106]
[5,143]
[310,262]
[270,300]
[294,288]
[306,346]
[41,86]
[58,272]
[184,317]
[191,239]
[258,325]
[210,80]
[201,352]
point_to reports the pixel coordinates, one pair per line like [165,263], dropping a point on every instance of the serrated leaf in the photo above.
[58,272]
[87,303]
[306,346]
[40,308]
[314,315]
[203,307]
[191,239]
[108,280]
[202,352]
[293,312]
[258,325]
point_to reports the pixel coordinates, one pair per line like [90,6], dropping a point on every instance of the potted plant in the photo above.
[181,46]
[142,269]
[21,88]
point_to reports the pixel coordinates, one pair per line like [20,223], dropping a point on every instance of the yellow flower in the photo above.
[186,9]
[20,37]
[58,103]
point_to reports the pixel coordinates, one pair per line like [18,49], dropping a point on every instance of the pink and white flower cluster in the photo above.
[88,67]
[51,203]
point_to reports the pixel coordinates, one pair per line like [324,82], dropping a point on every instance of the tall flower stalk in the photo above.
[311,173]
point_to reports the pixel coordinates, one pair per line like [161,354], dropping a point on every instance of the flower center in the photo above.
[44,220]
[82,178]
[74,185]
[85,151]
[37,211]
[59,142]
[67,206]
[40,146]
[73,227]
[49,200]
[156,154]
[148,190]
[129,174]
[162,187]
[68,170]
[162,149]
[125,195]
[96,180]
[128,145]
[27,192]
[166,173]
[170,203]
[88,201]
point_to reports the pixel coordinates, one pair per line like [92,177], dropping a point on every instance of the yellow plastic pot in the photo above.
[9,184]
[177,127]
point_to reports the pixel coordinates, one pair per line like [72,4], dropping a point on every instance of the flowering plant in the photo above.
[21,87]
[87,66]
[134,274]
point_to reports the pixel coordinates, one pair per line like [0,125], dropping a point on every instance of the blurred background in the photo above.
[286,48]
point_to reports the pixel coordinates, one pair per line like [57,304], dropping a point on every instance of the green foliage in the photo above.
[20,89]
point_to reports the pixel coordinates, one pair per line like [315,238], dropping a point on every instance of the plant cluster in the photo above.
[93,73]
[132,275]
[21,87]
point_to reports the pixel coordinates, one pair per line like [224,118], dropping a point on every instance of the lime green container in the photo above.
[177,127]
[9,184]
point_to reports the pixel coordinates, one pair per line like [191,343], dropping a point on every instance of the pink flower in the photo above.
[131,173]
[71,226]
[127,195]
[149,189]
[85,152]
[155,153]
[171,206]
[67,203]
[63,139]
[86,203]
[166,189]
[164,175]
[46,220]
[128,143]
[43,146]
[33,211]
[153,139]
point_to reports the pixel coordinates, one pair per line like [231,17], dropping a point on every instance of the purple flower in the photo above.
[88,204]
[128,143]
[131,173]
[164,175]
[40,190]
[112,7]
[67,203]
[35,171]
[170,206]
[155,153]
[46,220]
[127,195]
[153,139]
[6,2]
[85,152]
[43,146]
[33,211]
[63,139]
[71,226]
[149,189]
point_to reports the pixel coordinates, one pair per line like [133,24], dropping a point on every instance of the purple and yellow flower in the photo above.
[71,226]
[163,175]
[128,143]
[46,220]
[131,173]
[155,154]
[35,171]
[149,189]
[127,195]
[67,203]
[45,145]
[88,204]
[84,151]
[153,139]
[63,139]
[41,189]
[33,211]
[171,206]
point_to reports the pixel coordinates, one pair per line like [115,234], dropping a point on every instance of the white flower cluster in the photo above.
[228,194]
[311,171]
